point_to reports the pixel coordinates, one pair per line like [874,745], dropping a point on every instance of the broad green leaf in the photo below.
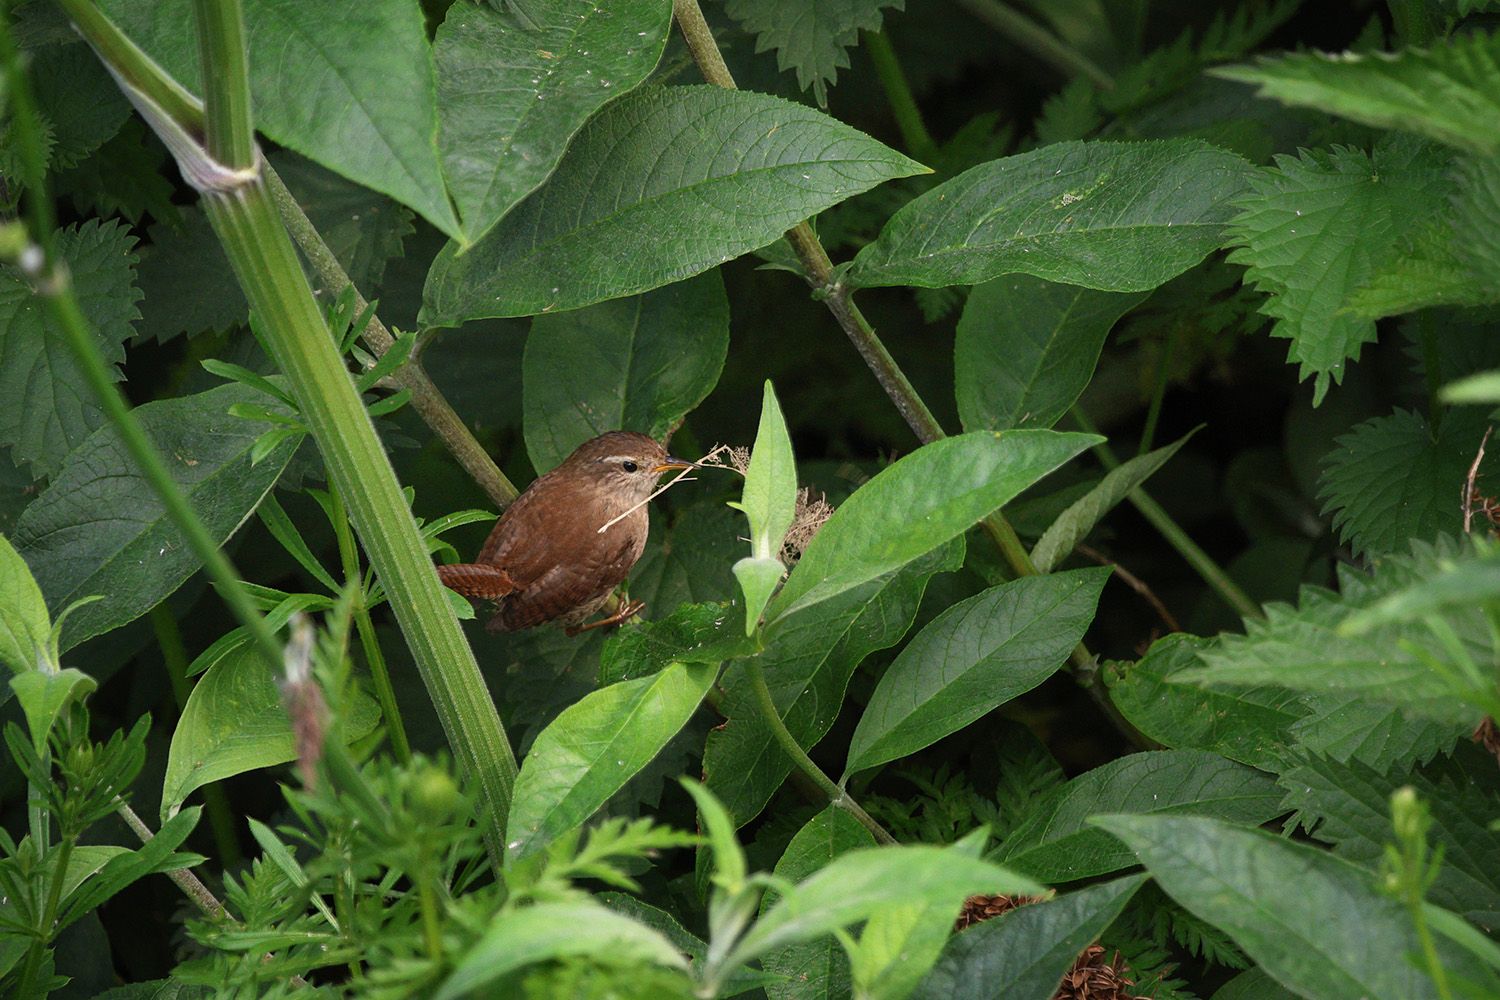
[1351,806]
[188,284]
[43,694]
[157,989]
[1288,906]
[234,722]
[25,627]
[542,932]
[1449,92]
[1055,843]
[50,409]
[692,633]
[80,105]
[510,99]
[1023,953]
[637,364]
[1318,227]
[663,184]
[588,752]
[769,502]
[1254,984]
[813,968]
[99,528]
[936,493]
[1027,347]
[811,38]
[121,870]
[977,655]
[808,662]
[1392,479]
[1481,388]
[348,85]
[1116,216]
[696,948]
[1075,523]
[859,883]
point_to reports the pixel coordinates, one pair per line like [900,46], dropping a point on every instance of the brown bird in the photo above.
[546,560]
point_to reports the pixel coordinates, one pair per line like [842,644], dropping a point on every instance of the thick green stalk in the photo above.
[1211,572]
[229,133]
[426,399]
[898,94]
[1037,40]
[789,745]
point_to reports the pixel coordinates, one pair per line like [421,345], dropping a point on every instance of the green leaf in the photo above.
[99,527]
[813,968]
[1481,388]
[25,627]
[937,492]
[1116,216]
[769,501]
[1391,479]
[1023,953]
[730,868]
[1449,92]
[1084,514]
[758,579]
[351,87]
[692,633]
[188,283]
[597,744]
[1316,229]
[663,184]
[157,989]
[124,869]
[44,694]
[51,408]
[637,364]
[510,99]
[1026,348]
[234,722]
[75,95]
[862,882]
[1288,906]
[1056,844]
[808,662]
[1254,984]
[977,655]
[812,38]
[1351,806]
[519,937]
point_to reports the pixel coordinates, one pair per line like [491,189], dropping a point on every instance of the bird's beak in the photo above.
[674,464]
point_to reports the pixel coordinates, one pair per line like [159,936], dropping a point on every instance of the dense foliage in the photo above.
[1106,605]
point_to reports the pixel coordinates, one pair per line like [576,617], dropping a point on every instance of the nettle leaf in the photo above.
[99,527]
[235,721]
[817,967]
[80,102]
[1026,348]
[188,284]
[1117,216]
[1288,905]
[594,747]
[1391,479]
[976,655]
[509,99]
[351,86]
[1349,806]
[812,38]
[639,364]
[1476,212]
[808,661]
[1055,843]
[1023,953]
[663,184]
[1317,228]
[49,407]
[1449,91]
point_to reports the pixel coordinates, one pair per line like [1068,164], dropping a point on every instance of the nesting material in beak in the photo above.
[673,464]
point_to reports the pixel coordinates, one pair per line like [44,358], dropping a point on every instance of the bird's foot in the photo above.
[627,611]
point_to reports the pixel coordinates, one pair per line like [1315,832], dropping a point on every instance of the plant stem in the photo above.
[379,676]
[174,656]
[229,134]
[788,743]
[1152,511]
[183,878]
[426,399]
[1037,40]
[914,134]
[1158,392]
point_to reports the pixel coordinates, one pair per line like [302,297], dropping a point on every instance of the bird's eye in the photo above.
[630,466]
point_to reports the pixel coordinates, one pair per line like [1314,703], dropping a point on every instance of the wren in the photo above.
[546,559]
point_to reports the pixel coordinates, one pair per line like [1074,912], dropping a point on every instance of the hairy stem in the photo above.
[789,745]
[1037,40]
[191,887]
[426,399]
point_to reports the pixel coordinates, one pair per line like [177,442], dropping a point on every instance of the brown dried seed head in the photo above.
[807,518]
